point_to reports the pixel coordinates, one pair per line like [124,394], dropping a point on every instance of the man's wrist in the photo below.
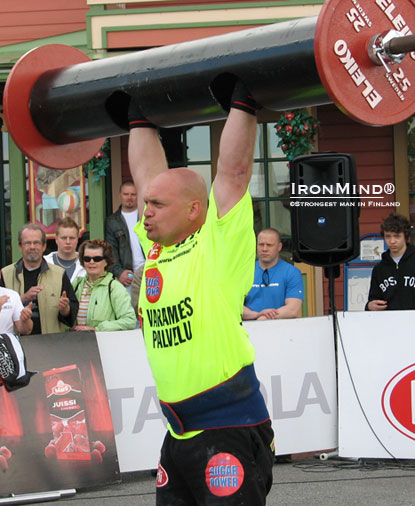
[65,311]
[117,271]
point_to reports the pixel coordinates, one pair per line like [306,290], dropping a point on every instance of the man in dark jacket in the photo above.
[393,279]
[119,233]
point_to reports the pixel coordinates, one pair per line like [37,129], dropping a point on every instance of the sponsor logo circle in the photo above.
[154,284]
[224,474]
[398,400]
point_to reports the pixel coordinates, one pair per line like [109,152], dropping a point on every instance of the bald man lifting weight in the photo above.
[199,266]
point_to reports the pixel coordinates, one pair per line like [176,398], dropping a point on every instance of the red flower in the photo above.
[296,130]
[100,154]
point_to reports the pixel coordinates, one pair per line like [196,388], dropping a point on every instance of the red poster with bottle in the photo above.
[57,433]
[67,414]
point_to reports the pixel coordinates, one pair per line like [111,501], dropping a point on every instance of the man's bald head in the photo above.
[176,205]
[190,184]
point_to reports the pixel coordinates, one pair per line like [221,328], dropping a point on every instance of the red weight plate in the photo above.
[359,87]
[19,122]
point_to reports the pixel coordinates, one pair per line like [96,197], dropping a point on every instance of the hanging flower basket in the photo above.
[99,165]
[296,131]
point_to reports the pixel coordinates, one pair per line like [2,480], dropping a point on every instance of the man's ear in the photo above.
[195,208]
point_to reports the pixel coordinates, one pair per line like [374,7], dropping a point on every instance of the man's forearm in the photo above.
[146,159]
[25,298]
[290,310]
[24,327]
[117,270]
[249,314]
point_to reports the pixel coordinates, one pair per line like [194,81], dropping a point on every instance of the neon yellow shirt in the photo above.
[191,302]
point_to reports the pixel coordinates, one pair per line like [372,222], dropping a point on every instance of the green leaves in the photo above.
[296,131]
[100,163]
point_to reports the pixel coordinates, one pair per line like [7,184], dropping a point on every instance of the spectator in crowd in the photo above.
[54,304]
[392,285]
[277,291]
[104,303]
[13,316]
[67,233]
[128,255]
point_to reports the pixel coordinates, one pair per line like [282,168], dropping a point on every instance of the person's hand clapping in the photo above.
[31,293]
[26,313]
[63,305]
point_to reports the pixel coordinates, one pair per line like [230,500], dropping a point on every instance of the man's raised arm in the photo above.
[146,155]
[236,151]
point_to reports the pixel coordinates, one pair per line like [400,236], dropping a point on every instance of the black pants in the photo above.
[217,467]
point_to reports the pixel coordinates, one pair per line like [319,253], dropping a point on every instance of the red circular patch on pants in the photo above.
[224,474]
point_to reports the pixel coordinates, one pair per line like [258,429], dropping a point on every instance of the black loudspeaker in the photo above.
[324,209]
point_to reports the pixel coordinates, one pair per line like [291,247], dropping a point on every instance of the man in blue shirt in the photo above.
[277,291]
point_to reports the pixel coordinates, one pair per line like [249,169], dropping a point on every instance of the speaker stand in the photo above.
[331,273]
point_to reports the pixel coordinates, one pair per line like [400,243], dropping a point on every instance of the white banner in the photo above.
[295,364]
[376,354]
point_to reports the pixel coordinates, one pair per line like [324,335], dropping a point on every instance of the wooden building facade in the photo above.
[107,28]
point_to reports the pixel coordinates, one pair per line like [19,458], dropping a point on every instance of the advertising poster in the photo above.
[376,385]
[56,194]
[57,432]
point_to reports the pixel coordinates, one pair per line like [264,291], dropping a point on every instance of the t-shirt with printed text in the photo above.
[191,303]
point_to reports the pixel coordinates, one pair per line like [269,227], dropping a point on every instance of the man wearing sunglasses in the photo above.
[277,291]
[199,265]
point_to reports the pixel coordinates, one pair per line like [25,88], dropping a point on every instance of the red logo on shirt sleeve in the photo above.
[155,251]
